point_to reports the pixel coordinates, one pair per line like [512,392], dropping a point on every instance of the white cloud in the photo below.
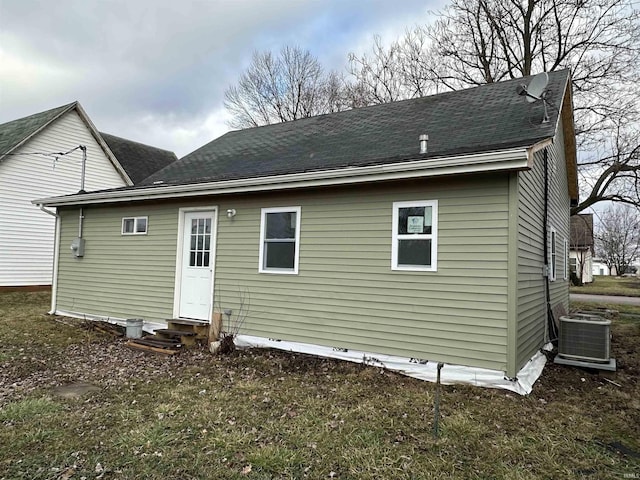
[155,71]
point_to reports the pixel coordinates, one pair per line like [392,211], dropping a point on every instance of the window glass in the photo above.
[414,252]
[200,242]
[415,235]
[414,220]
[280,236]
[127,225]
[279,255]
[134,225]
[281,225]
[141,225]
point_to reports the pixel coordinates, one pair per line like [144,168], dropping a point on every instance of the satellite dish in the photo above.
[535,91]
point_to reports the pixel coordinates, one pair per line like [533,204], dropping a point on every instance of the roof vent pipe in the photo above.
[424,138]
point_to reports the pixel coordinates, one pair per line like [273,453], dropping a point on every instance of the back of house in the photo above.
[343,231]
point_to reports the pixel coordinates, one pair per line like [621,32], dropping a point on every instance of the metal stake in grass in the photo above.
[437,402]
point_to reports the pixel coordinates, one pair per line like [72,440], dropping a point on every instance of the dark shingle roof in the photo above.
[15,132]
[582,231]
[481,119]
[137,159]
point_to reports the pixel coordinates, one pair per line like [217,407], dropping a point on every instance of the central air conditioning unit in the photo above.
[585,341]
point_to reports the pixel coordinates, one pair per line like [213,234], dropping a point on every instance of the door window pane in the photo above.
[200,242]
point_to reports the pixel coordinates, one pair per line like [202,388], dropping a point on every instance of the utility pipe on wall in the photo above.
[84,168]
[550,327]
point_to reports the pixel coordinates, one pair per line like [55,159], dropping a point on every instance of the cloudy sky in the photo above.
[155,71]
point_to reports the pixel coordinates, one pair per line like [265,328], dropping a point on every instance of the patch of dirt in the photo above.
[75,390]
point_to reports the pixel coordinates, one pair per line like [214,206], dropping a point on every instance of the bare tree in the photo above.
[618,237]
[281,88]
[392,72]
[483,41]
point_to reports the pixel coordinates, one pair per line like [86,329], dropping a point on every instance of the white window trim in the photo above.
[263,217]
[433,236]
[553,254]
[135,224]
[566,259]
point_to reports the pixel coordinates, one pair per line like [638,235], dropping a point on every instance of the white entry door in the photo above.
[197,265]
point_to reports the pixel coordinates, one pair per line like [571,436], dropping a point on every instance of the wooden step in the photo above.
[150,348]
[154,341]
[171,333]
[200,329]
[182,321]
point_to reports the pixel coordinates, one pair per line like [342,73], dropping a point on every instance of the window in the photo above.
[552,254]
[415,236]
[566,259]
[134,225]
[279,240]
[200,242]
[573,262]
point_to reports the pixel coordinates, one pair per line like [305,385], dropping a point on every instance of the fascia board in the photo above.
[105,148]
[514,159]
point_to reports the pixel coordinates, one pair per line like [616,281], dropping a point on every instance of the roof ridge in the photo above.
[136,142]
[395,102]
[62,108]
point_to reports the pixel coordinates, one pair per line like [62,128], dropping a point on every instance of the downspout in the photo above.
[56,254]
[551,330]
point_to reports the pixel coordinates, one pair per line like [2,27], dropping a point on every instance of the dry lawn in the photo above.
[265,414]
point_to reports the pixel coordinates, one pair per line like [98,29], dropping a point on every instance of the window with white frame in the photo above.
[573,265]
[566,259]
[279,240]
[134,225]
[415,236]
[553,254]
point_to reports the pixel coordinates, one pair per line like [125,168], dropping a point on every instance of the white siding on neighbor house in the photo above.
[26,233]
[531,309]
[584,258]
[346,294]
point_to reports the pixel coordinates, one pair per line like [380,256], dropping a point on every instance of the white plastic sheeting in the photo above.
[449,375]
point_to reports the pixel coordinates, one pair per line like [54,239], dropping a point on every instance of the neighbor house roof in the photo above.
[138,159]
[486,128]
[16,132]
[582,231]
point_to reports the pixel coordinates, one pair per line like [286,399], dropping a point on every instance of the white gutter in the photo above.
[56,254]
[514,159]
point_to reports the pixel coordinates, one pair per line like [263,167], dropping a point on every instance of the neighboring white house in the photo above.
[581,246]
[26,172]
[600,268]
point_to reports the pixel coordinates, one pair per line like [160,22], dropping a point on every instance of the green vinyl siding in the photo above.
[531,309]
[121,276]
[345,294]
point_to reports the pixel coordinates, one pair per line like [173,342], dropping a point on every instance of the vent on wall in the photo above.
[585,340]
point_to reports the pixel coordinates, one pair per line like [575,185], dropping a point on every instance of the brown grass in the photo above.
[265,414]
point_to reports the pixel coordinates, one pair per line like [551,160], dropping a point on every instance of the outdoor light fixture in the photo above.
[231,213]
